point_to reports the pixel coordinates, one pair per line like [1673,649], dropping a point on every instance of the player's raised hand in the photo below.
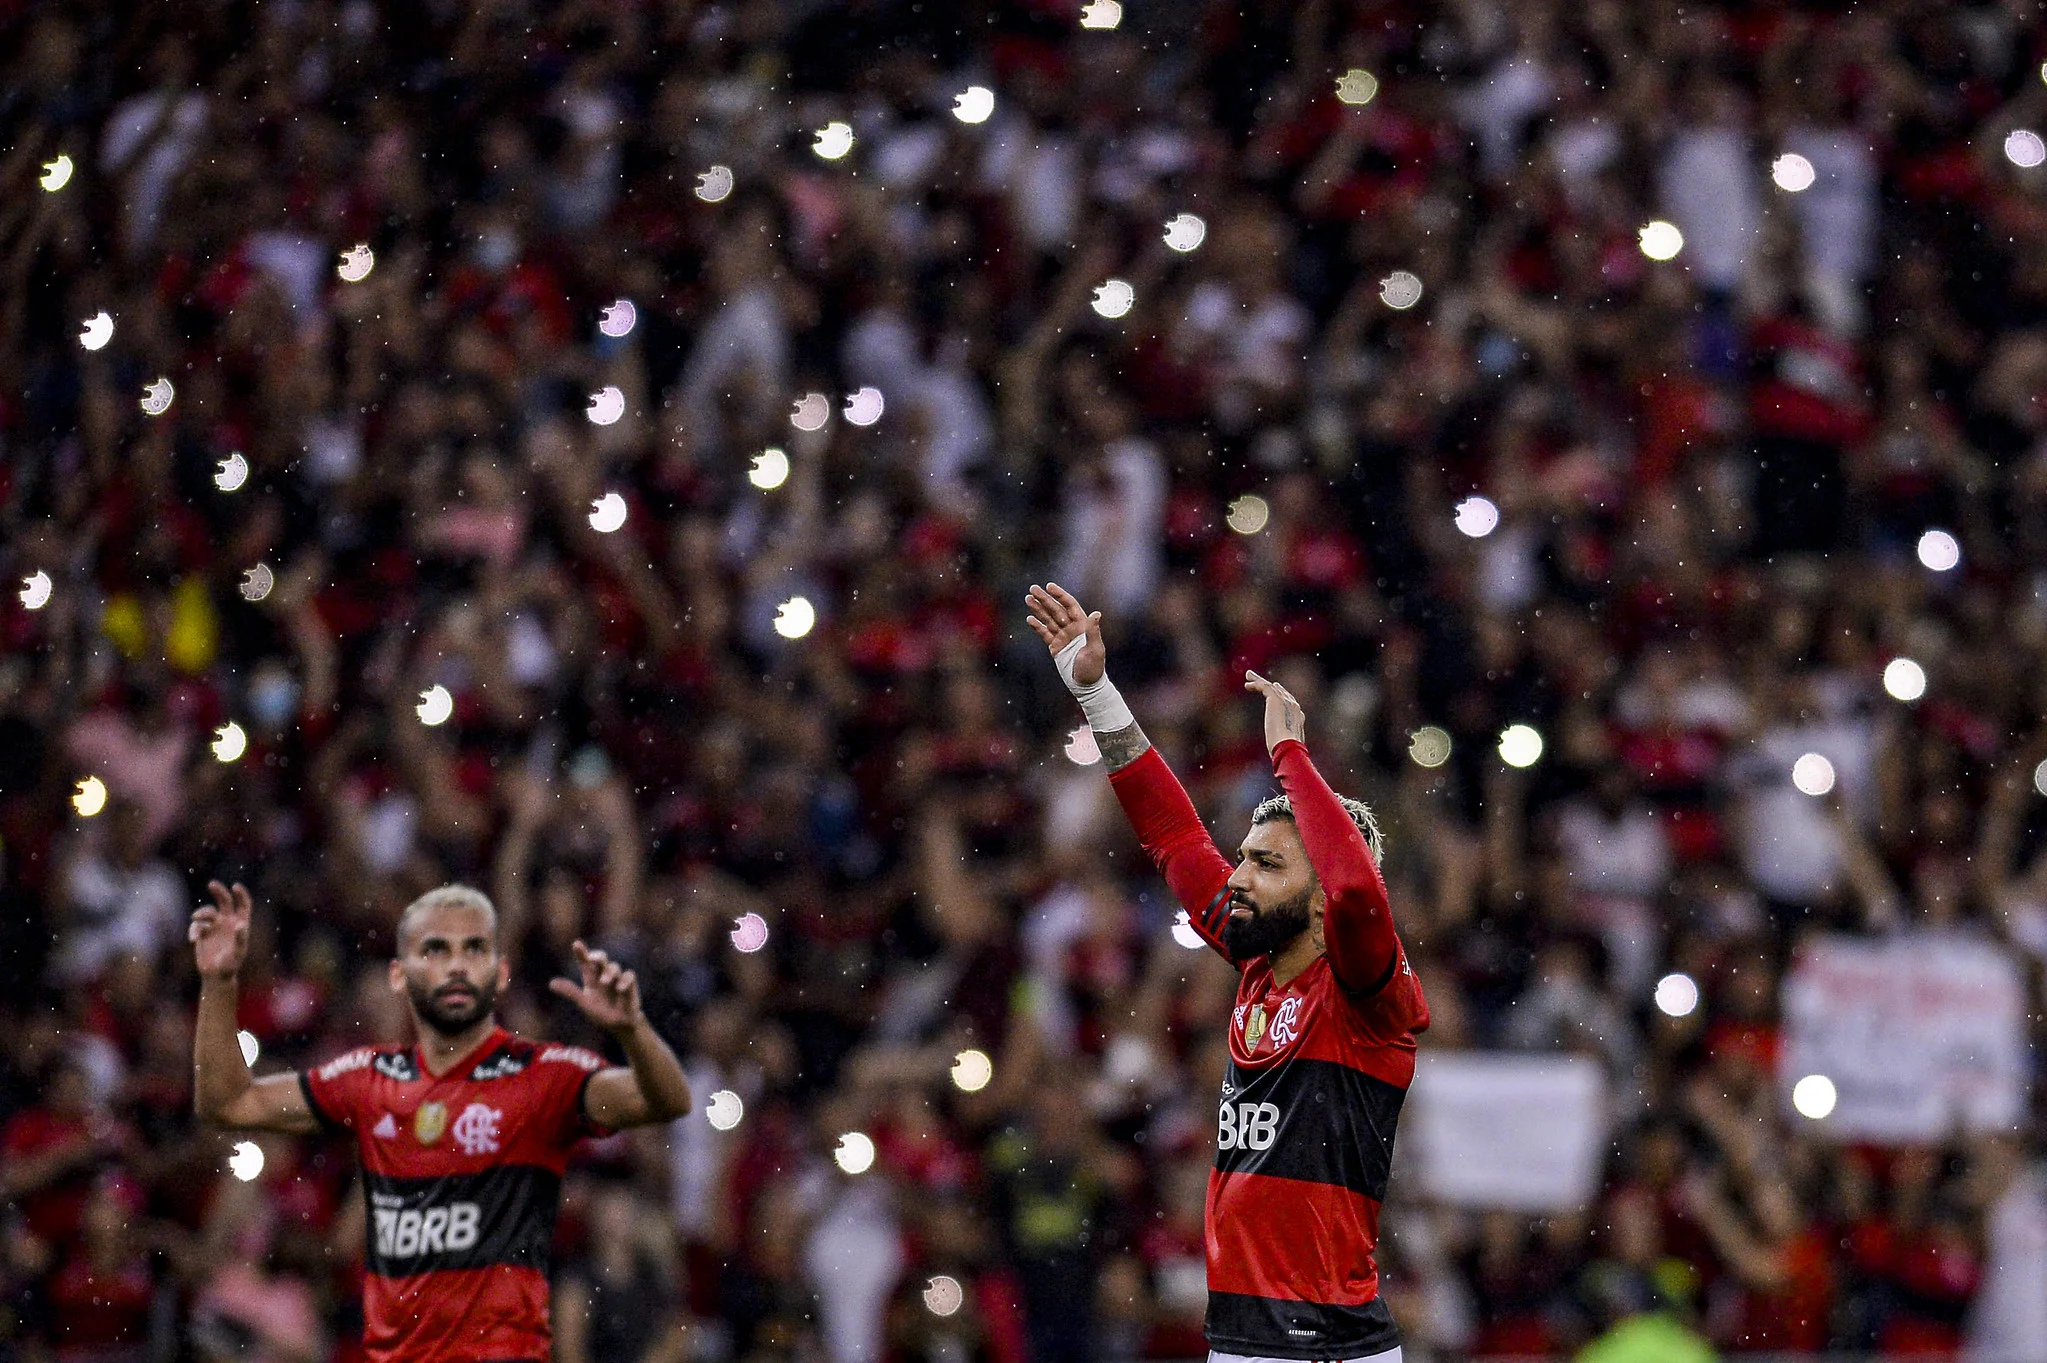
[1058,619]
[1284,718]
[609,994]
[219,932]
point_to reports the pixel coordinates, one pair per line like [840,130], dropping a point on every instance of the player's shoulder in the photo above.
[516,1055]
[391,1061]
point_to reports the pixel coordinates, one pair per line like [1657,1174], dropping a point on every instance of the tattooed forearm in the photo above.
[1124,746]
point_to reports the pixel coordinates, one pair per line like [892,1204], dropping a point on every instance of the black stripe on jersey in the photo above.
[500,1216]
[1313,1120]
[320,1115]
[1217,913]
[1256,1325]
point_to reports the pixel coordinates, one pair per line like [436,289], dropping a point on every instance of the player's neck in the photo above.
[1296,956]
[443,1052]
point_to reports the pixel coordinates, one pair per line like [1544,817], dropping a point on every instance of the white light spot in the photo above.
[618,319]
[1812,774]
[834,140]
[770,469]
[715,185]
[795,617]
[1661,240]
[1082,748]
[1793,173]
[749,933]
[35,590]
[1400,290]
[811,412]
[229,742]
[246,1162]
[231,472]
[1356,86]
[863,408]
[99,329]
[1814,1096]
[1677,995]
[435,705]
[1520,745]
[971,1071]
[1248,514]
[157,397]
[1939,550]
[257,582]
[1114,298]
[1477,517]
[855,1153]
[607,405]
[2023,148]
[943,1296]
[973,104]
[356,264]
[1904,679]
[1429,746]
[251,1048]
[725,1110]
[57,173]
[607,513]
[1184,933]
[90,797]
[1185,232]
[1101,14]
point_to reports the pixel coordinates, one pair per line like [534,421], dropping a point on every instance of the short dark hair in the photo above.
[466,896]
[1282,807]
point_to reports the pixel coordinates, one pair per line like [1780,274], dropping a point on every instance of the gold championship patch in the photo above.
[429,1122]
[1255,1028]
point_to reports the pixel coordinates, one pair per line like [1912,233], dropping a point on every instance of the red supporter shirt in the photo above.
[1318,1071]
[462,1175]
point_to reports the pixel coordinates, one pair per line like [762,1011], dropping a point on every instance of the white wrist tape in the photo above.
[1102,703]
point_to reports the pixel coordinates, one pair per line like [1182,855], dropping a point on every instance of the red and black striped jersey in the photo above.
[462,1174]
[1319,1068]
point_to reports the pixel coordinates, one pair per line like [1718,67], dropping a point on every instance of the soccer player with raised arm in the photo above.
[463,1137]
[1322,1040]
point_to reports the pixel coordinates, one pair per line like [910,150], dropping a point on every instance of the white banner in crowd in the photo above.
[1920,1034]
[1506,1130]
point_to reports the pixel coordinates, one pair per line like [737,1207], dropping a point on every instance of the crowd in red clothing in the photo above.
[1711,476]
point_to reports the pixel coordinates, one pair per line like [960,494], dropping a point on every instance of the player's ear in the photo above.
[397,976]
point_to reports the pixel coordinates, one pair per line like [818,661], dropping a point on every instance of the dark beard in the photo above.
[1267,930]
[453,1018]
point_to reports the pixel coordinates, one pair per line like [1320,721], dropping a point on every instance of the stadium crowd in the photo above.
[1711,475]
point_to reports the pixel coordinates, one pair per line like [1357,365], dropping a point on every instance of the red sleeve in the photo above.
[1173,837]
[1357,922]
[332,1089]
[567,1072]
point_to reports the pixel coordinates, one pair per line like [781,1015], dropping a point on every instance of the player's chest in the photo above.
[1269,1023]
[445,1122]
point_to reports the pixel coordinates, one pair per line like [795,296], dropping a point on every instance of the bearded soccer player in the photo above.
[463,1136]
[1322,1040]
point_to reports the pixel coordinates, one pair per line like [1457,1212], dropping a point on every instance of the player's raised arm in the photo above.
[650,1087]
[1357,919]
[1152,797]
[223,1091]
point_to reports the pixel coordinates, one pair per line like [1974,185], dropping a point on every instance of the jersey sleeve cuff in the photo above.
[320,1114]
[590,1126]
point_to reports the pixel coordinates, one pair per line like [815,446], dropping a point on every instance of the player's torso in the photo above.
[463,1170]
[1304,1142]
[1315,1083]
[462,1177]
